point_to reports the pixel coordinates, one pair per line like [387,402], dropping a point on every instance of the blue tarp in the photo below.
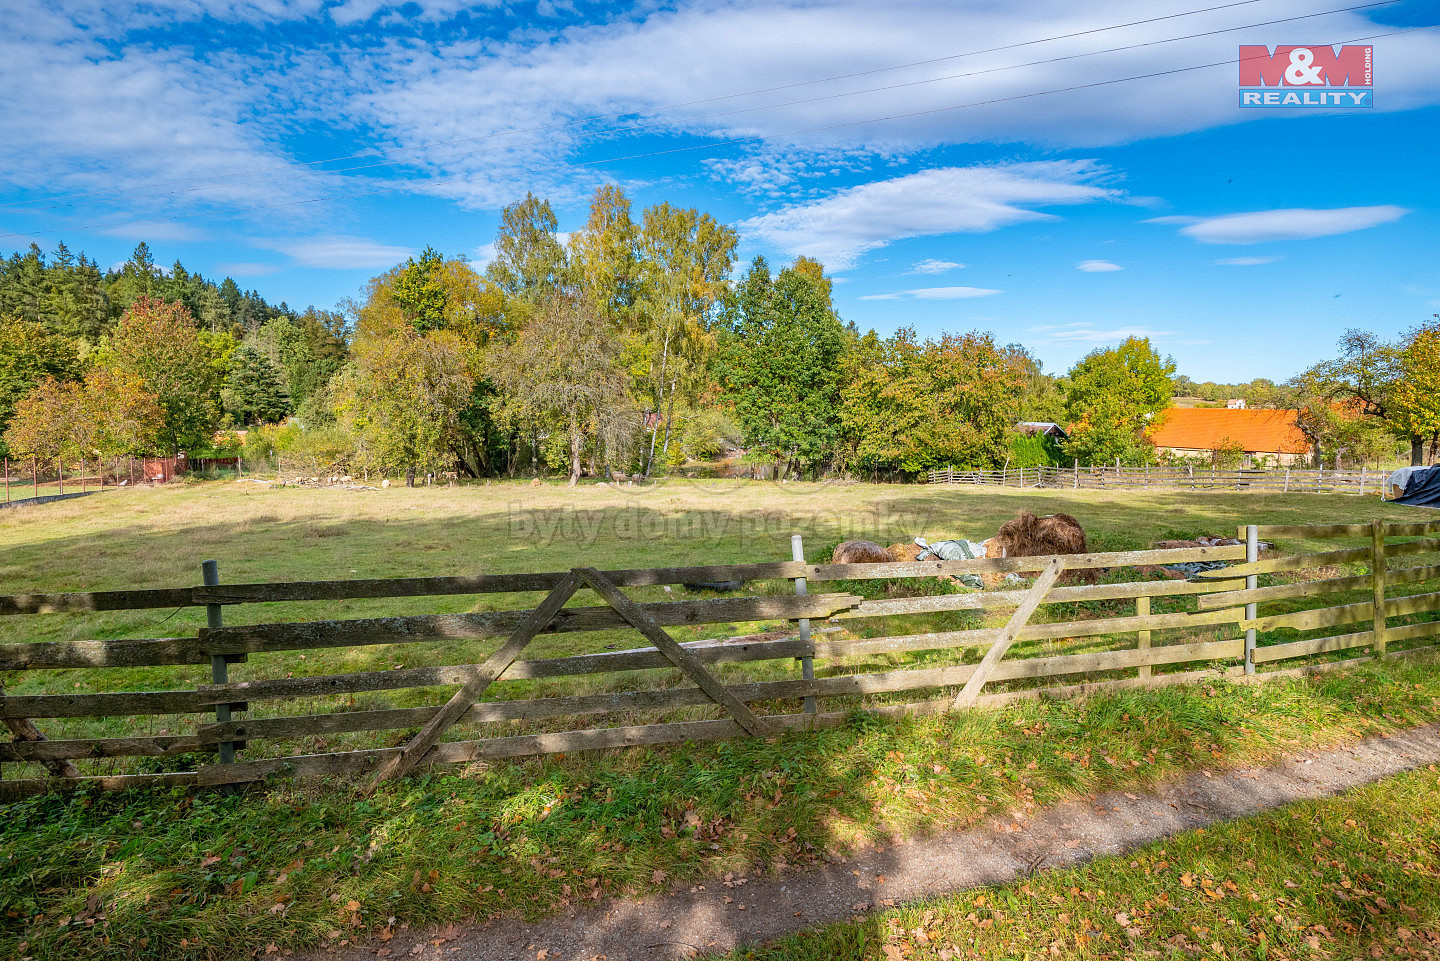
[1422,490]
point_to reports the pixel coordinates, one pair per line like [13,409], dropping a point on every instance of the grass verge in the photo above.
[175,875]
[1355,876]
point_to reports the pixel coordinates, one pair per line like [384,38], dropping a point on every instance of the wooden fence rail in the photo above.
[1179,631]
[1113,477]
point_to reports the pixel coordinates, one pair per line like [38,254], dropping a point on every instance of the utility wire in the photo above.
[735,141]
[672,106]
[651,125]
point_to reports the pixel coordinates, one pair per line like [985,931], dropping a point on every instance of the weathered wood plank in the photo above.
[1307,669]
[309,635]
[461,752]
[80,748]
[1312,531]
[1411,604]
[1001,645]
[1279,592]
[16,790]
[639,659]
[1407,575]
[1411,631]
[469,692]
[851,572]
[986,600]
[841,685]
[60,655]
[104,705]
[24,731]
[1311,620]
[981,637]
[1316,645]
[1290,562]
[94,601]
[1412,529]
[1426,545]
[362,588]
[645,624]
[1348,613]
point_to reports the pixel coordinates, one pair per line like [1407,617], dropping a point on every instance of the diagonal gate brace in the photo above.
[664,643]
[466,697]
[1018,620]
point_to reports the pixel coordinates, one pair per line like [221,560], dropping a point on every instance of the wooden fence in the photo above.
[1282,480]
[229,730]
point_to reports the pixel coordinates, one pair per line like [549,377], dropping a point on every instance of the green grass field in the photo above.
[157,538]
[190,874]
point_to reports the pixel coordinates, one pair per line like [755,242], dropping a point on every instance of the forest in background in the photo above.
[634,346]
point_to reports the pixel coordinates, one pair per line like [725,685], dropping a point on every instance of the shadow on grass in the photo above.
[189,874]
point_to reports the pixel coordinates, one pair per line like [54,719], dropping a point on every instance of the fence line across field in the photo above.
[239,727]
[1284,480]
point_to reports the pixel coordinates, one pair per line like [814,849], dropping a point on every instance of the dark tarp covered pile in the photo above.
[1422,489]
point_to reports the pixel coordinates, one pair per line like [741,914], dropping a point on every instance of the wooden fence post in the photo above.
[219,665]
[34,477]
[7,480]
[807,661]
[1377,568]
[60,474]
[1362,480]
[1287,481]
[1142,609]
[1252,554]
[1077,473]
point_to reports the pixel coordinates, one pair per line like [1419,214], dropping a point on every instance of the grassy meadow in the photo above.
[184,874]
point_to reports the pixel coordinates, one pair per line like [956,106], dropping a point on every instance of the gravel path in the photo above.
[722,916]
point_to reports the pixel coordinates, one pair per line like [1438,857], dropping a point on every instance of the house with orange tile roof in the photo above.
[1272,435]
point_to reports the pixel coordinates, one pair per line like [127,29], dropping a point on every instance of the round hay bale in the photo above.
[904,552]
[860,552]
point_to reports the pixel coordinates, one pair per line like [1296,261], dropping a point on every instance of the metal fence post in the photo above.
[1377,568]
[807,660]
[1142,609]
[219,667]
[1252,554]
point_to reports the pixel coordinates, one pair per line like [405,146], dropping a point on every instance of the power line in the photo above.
[672,106]
[741,140]
[203,184]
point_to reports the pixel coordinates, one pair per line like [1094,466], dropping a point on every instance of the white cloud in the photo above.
[1301,223]
[153,230]
[935,293]
[1097,266]
[482,255]
[684,63]
[339,253]
[838,229]
[104,96]
[932,266]
[1088,333]
[246,269]
[1244,261]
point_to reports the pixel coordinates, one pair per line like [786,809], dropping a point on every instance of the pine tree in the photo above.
[254,392]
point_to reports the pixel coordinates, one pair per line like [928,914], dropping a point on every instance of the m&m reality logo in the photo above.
[1302,77]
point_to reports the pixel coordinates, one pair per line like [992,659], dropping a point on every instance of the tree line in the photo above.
[631,346]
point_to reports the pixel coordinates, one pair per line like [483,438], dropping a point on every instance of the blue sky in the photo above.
[304,145]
